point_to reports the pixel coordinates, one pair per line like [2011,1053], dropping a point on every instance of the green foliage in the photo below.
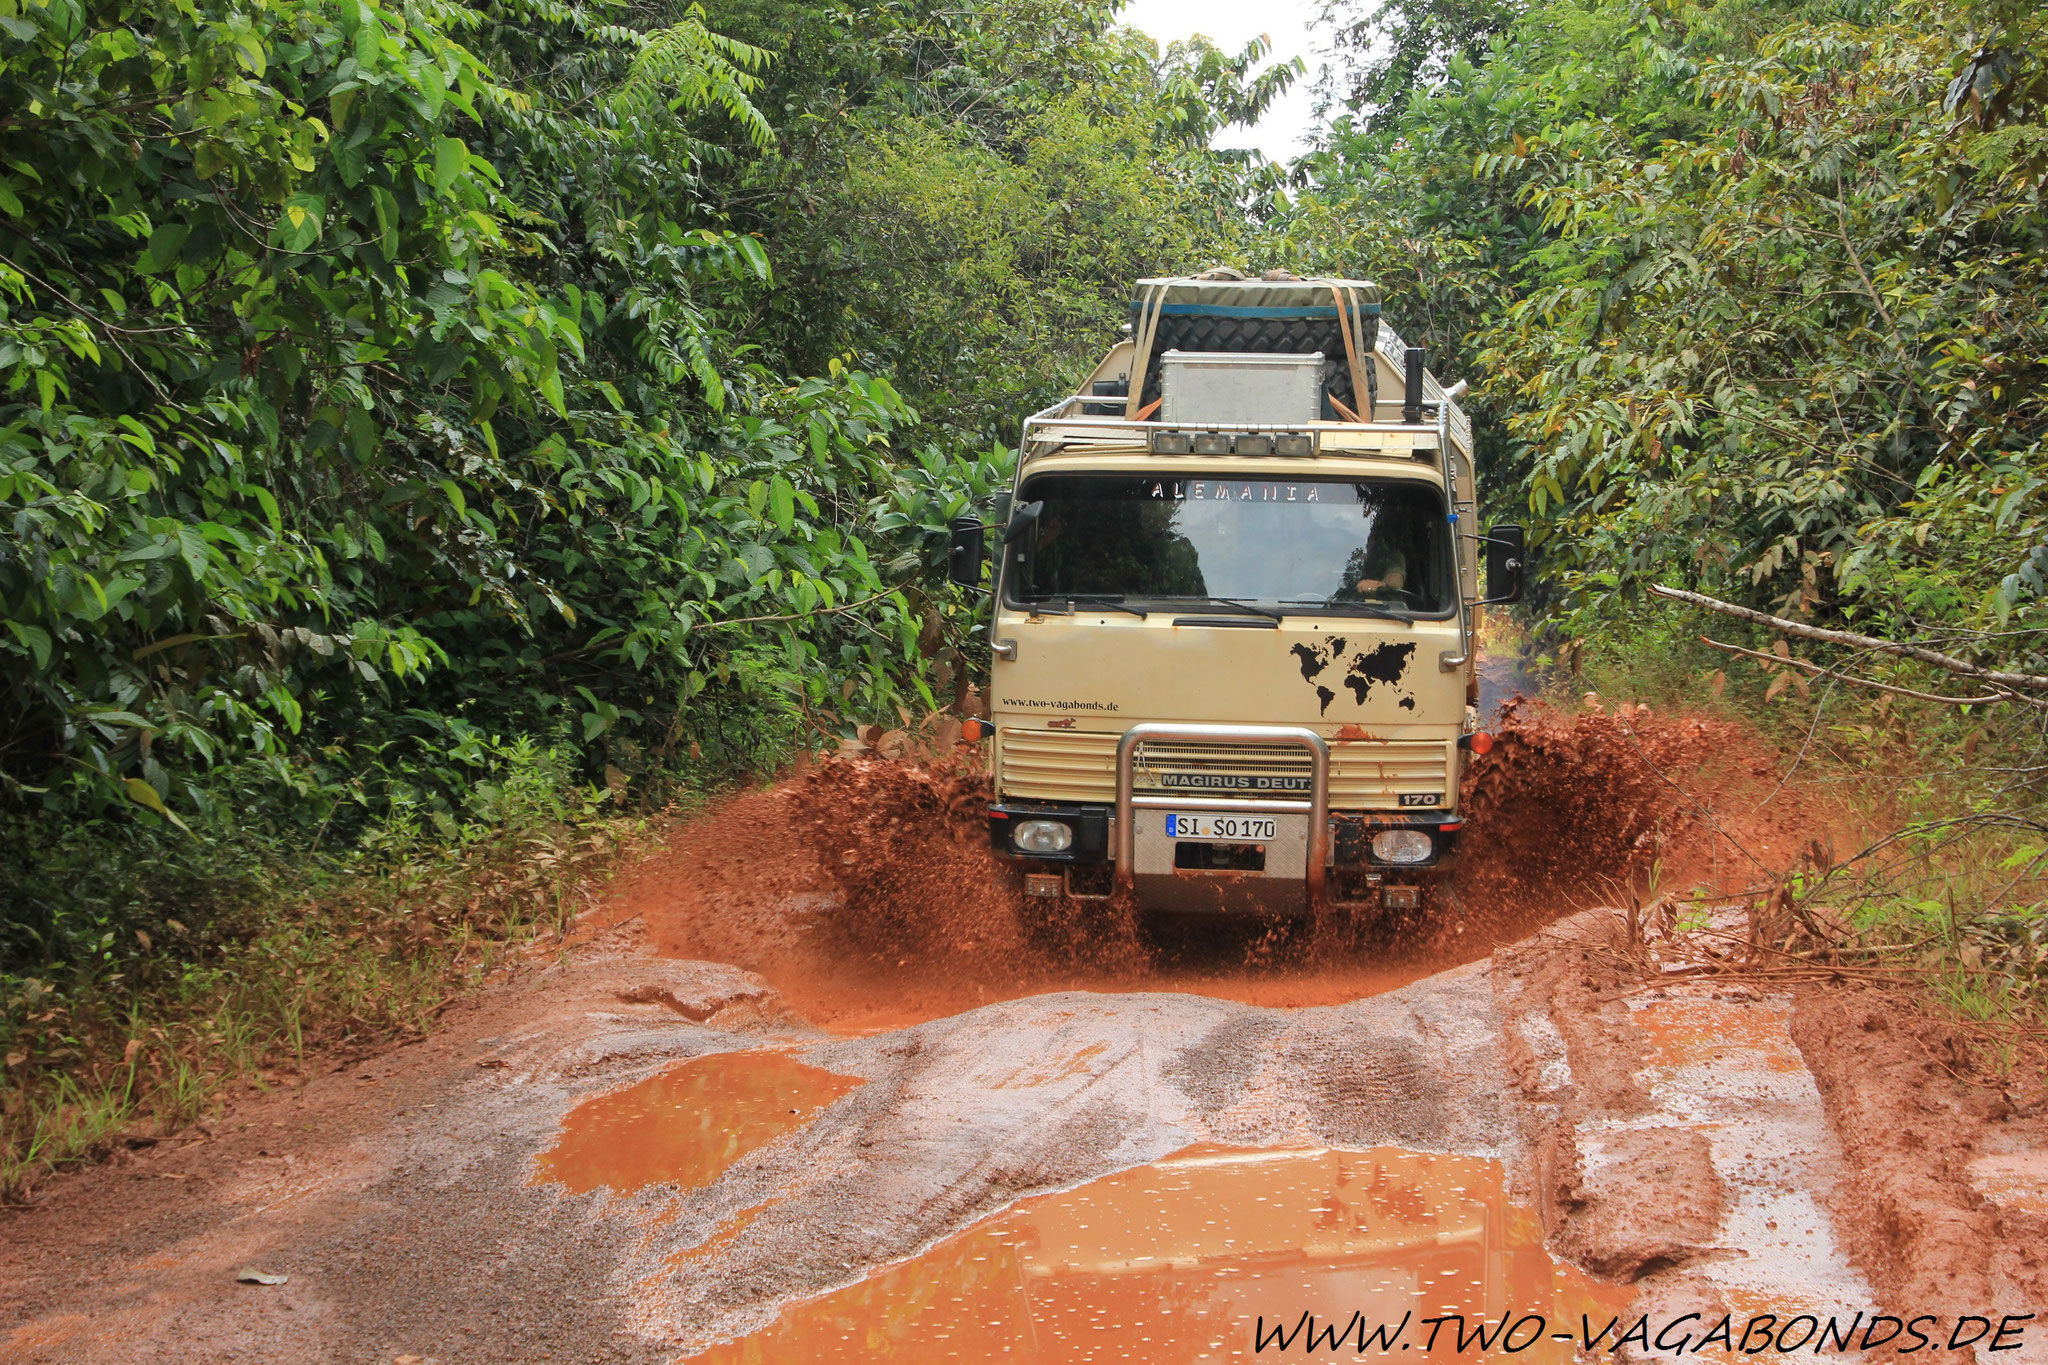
[1400,50]
[688,67]
[1752,294]
[310,413]
[1811,332]
[970,271]
[964,196]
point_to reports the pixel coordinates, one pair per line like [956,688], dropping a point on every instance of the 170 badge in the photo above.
[1422,798]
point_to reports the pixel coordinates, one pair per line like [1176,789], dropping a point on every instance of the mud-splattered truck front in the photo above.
[1236,603]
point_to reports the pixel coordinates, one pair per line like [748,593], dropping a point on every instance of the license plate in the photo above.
[1239,829]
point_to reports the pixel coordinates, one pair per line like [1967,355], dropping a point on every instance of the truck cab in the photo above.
[1236,594]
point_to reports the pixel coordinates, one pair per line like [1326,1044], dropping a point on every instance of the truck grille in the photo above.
[1079,765]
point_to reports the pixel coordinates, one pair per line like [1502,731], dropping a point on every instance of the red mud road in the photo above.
[806,1091]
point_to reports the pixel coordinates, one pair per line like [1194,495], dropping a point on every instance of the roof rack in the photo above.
[1070,421]
[1434,397]
[1063,425]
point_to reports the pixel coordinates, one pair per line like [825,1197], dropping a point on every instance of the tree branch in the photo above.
[796,615]
[1810,667]
[2031,682]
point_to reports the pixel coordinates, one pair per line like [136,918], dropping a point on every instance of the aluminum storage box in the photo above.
[1240,388]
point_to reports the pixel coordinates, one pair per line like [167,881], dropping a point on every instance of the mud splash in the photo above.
[1562,801]
[866,891]
[1575,809]
[1179,1261]
[863,888]
[686,1125]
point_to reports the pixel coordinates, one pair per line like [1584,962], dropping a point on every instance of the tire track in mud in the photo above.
[1675,1140]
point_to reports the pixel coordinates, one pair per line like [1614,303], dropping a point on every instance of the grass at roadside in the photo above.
[207,962]
[1949,890]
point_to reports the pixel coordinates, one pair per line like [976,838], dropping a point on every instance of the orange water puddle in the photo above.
[1177,1261]
[689,1123]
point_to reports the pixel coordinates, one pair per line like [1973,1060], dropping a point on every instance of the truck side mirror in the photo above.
[964,553]
[1504,557]
[1021,519]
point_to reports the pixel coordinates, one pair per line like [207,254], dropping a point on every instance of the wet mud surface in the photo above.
[816,1085]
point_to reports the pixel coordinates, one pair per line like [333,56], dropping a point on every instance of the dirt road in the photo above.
[914,1133]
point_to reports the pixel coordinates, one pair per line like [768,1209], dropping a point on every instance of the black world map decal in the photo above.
[1326,664]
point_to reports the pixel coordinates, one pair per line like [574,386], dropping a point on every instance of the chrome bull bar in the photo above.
[1317,806]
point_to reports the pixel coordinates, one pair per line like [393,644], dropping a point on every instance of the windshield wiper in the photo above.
[1252,608]
[1372,609]
[1113,603]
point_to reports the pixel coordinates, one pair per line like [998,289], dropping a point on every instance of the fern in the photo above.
[693,69]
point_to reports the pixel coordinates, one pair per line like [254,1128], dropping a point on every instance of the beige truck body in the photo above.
[1290,735]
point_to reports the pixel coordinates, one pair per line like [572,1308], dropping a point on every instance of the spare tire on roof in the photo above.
[1264,317]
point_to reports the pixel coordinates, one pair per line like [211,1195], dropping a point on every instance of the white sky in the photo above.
[1230,24]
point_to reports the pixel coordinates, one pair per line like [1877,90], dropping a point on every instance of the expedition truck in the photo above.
[1236,594]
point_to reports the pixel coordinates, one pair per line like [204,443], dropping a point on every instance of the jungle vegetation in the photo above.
[430,431]
[1750,293]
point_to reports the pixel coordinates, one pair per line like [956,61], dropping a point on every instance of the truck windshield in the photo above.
[1335,545]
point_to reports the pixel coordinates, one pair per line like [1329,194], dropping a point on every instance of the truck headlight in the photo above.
[1401,846]
[1042,836]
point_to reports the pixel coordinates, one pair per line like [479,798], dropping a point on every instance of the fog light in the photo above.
[1212,443]
[1043,836]
[1293,443]
[1401,846]
[1250,444]
[1170,443]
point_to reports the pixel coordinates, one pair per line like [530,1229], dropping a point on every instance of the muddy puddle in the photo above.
[687,1124]
[1180,1260]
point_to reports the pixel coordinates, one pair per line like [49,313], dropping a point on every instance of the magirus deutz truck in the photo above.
[1237,591]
